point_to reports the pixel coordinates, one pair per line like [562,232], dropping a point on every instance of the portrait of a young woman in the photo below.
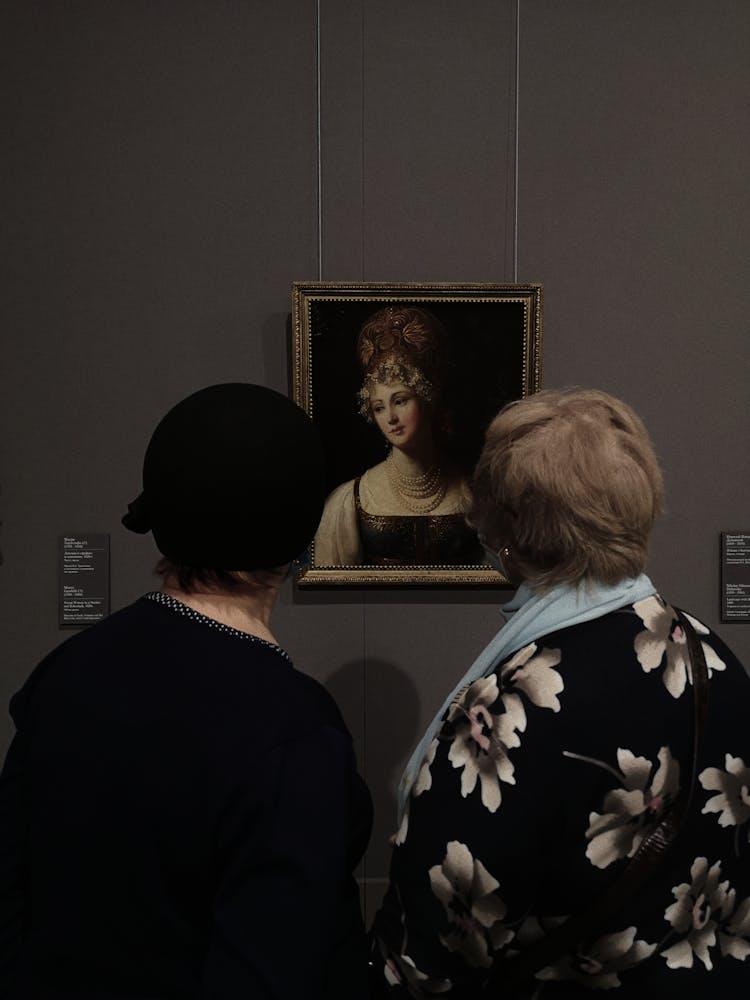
[409,508]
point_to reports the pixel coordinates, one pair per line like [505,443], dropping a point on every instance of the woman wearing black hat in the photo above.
[180,811]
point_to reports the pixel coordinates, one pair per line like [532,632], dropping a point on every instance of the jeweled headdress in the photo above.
[401,344]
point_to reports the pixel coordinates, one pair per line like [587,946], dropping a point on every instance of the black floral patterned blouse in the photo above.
[543,780]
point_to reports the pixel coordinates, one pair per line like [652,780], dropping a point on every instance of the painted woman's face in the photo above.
[399,413]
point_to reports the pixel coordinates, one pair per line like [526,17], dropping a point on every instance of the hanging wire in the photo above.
[362,137]
[319,155]
[515,129]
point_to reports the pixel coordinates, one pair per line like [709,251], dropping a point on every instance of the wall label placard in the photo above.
[735,576]
[83,579]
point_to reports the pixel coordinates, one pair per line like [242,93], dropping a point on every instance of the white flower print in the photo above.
[424,777]
[533,674]
[663,636]
[733,799]
[401,968]
[630,811]
[597,968]
[422,784]
[700,906]
[735,939]
[467,891]
[481,738]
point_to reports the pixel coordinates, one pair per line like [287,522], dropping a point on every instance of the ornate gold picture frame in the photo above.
[402,381]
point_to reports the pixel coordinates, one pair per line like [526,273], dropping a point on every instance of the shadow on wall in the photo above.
[384,740]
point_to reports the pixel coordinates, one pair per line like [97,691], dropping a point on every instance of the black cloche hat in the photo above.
[232,480]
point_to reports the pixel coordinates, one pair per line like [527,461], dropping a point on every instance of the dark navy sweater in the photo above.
[180,816]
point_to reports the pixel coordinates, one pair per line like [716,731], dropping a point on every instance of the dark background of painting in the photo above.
[483,371]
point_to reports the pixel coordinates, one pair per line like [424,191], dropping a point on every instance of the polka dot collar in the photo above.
[182,609]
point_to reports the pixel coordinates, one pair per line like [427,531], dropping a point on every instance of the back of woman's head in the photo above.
[570,482]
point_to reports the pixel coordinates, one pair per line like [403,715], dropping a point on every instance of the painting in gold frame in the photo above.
[402,380]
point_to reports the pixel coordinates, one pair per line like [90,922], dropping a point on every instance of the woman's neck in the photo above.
[247,608]
[415,463]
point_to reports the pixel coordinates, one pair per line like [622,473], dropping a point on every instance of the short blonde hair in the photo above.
[570,482]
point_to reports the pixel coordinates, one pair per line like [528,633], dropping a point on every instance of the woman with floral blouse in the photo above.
[568,740]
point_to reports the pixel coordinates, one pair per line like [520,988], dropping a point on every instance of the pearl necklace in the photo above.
[428,490]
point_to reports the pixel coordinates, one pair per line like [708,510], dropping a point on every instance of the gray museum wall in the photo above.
[169,170]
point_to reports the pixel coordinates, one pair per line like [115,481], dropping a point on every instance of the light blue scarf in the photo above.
[530,617]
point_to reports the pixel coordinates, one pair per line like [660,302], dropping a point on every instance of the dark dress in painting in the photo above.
[414,539]
[364,522]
